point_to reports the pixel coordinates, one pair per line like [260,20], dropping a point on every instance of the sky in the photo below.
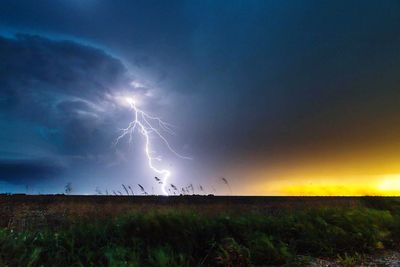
[278,97]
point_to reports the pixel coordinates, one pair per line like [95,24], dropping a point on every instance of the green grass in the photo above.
[190,239]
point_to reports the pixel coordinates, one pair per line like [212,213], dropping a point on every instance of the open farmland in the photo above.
[32,211]
[198,231]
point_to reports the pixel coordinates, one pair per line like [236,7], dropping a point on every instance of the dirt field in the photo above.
[34,211]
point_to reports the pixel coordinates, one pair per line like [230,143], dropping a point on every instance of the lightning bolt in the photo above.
[148,125]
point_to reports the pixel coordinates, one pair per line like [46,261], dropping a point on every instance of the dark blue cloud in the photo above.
[26,172]
[55,94]
[55,66]
[53,81]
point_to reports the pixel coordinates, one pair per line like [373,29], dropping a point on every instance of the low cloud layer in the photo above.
[27,172]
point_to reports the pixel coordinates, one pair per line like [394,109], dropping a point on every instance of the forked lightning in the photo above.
[149,125]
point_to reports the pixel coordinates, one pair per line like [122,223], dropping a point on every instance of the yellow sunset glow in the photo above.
[385,185]
[325,182]
[366,171]
[390,184]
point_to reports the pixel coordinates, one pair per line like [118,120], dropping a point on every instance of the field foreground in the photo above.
[198,231]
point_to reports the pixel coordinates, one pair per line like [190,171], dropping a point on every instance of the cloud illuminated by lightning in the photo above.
[148,125]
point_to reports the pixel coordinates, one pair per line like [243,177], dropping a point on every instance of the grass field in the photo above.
[194,230]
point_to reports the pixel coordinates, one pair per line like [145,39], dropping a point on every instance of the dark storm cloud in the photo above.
[56,92]
[68,107]
[51,81]
[56,66]
[28,171]
[300,73]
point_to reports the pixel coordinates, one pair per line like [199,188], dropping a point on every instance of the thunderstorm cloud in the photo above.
[55,98]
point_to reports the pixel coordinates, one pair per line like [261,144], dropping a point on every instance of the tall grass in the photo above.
[176,238]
